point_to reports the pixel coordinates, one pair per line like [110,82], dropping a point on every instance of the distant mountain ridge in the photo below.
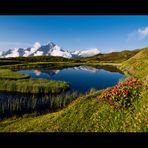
[49,49]
[113,56]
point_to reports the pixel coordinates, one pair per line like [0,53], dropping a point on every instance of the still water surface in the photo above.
[81,78]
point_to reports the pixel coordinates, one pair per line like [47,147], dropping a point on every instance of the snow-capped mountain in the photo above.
[86,53]
[50,49]
[17,52]
[58,52]
[30,51]
[1,52]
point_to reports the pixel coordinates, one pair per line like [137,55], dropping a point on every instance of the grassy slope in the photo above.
[88,113]
[114,57]
[137,65]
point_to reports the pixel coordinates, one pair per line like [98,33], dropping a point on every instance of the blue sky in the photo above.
[107,33]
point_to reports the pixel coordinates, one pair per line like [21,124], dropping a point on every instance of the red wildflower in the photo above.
[115,87]
[123,84]
[126,92]
[118,91]
[119,85]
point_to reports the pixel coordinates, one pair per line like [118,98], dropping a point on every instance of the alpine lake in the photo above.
[81,79]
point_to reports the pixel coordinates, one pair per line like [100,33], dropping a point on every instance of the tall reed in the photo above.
[19,104]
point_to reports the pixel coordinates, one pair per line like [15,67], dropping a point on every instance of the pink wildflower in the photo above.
[126,92]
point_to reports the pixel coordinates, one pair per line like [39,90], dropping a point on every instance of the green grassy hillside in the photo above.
[137,65]
[86,114]
[93,113]
[114,57]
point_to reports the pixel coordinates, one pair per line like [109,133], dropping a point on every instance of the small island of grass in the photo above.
[13,82]
[11,75]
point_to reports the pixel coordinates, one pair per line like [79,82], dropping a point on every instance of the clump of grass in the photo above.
[11,75]
[33,86]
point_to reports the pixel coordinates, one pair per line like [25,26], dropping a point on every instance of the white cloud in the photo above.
[36,45]
[89,52]
[139,34]
[111,50]
[143,32]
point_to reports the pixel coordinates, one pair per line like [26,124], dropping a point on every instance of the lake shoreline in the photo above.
[84,74]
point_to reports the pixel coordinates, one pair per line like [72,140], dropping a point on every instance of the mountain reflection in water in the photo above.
[81,78]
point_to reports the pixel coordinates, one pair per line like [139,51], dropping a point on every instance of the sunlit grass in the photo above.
[91,113]
[86,114]
[11,81]
[137,65]
[8,74]
[33,86]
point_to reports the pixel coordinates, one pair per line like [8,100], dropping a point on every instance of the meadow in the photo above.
[121,108]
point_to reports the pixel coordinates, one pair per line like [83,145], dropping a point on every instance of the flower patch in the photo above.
[123,94]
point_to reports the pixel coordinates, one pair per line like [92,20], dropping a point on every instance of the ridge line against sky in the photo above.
[107,33]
